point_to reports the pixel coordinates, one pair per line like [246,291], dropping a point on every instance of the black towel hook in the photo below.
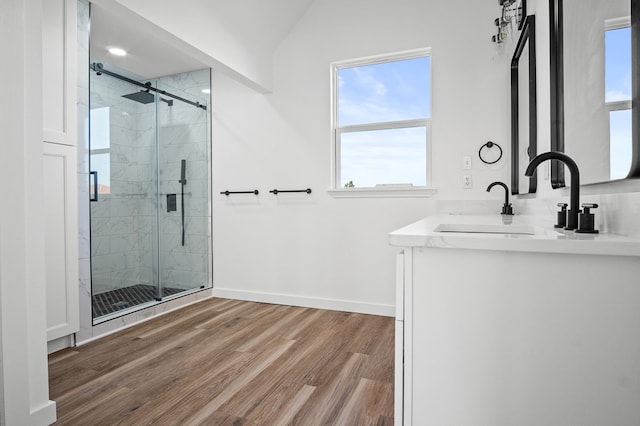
[489,145]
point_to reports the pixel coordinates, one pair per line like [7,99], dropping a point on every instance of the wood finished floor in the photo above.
[228,362]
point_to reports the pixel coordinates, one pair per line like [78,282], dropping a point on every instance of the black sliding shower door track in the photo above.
[98,68]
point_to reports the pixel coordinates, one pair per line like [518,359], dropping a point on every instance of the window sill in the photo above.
[412,192]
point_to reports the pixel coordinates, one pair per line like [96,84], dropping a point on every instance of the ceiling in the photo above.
[146,57]
[257,23]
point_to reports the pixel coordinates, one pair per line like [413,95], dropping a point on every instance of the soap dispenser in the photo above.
[586,220]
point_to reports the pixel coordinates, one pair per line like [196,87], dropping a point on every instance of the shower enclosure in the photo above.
[150,192]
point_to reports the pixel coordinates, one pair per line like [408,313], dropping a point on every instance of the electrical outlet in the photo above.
[466,162]
[467,183]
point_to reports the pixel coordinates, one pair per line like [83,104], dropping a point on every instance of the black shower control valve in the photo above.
[171,203]
[586,220]
[562,216]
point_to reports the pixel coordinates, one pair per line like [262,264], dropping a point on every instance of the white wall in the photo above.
[329,252]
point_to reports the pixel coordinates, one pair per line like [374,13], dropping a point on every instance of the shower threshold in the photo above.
[116,303]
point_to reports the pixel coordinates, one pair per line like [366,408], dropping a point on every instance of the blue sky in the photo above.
[620,138]
[394,156]
[388,91]
[618,65]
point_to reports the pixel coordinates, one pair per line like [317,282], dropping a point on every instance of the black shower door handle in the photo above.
[183,182]
[95,186]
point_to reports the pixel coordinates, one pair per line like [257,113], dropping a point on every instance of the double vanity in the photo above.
[505,320]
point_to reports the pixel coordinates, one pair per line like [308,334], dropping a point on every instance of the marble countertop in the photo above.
[514,233]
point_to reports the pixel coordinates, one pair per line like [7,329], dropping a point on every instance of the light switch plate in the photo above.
[466,162]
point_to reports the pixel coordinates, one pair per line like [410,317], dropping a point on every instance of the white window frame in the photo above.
[336,132]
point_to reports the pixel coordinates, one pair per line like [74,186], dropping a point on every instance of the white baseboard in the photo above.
[60,344]
[306,302]
[45,414]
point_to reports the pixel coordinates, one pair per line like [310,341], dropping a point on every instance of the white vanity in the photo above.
[515,324]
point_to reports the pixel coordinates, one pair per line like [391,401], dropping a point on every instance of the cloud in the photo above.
[617,96]
[366,82]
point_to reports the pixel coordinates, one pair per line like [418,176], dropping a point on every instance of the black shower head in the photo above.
[142,96]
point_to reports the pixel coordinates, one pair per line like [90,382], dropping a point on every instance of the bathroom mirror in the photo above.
[592,87]
[523,109]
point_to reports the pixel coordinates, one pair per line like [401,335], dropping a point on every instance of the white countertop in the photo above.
[491,232]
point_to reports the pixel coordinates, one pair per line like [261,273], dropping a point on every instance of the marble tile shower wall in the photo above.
[182,135]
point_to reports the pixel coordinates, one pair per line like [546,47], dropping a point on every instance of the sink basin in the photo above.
[486,228]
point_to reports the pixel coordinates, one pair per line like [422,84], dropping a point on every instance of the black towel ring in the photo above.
[490,145]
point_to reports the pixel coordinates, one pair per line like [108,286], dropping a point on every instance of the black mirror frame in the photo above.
[557,90]
[523,5]
[528,35]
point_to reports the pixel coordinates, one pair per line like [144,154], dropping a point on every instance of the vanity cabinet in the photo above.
[59,117]
[508,335]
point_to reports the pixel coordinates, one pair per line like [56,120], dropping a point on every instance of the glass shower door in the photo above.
[183,187]
[122,149]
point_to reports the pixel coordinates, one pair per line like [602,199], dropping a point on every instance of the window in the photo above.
[618,95]
[100,148]
[381,115]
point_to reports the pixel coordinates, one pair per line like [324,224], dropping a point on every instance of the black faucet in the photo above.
[574,199]
[506,208]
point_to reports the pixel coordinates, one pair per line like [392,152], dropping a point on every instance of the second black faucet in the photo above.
[506,208]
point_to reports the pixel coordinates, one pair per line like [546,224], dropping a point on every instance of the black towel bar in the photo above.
[277,191]
[227,193]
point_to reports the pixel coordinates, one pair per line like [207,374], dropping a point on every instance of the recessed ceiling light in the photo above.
[117,51]
[207,91]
